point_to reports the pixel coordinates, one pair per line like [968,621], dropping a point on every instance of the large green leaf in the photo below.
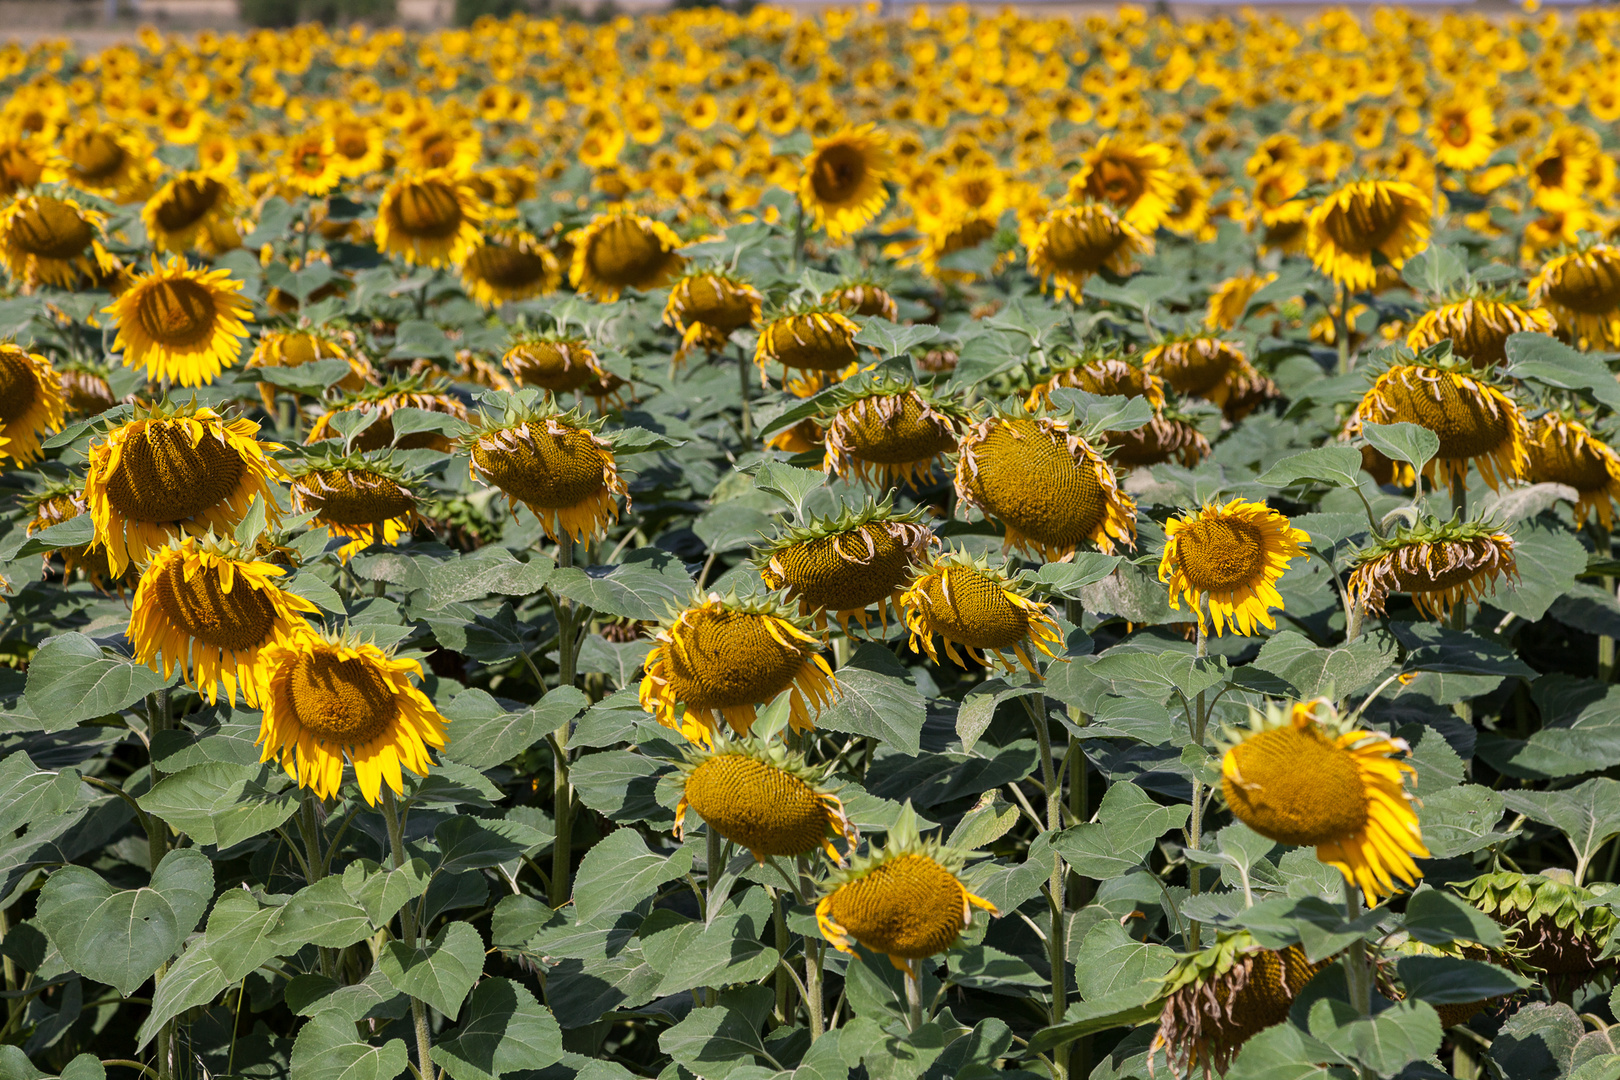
[503,1030]
[222,804]
[1128,824]
[877,698]
[1588,815]
[621,871]
[440,972]
[72,679]
[326,1049]
[484,735]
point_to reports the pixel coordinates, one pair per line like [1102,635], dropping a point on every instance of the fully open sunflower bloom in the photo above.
[331,697]
[1439,564]
[816,339]
[1463,132]
[1232,557]
[765,798]
[1582,290]
[210,609]
[1169,436]
[623,250]
[1390,217]
[1200,366]
[1135,179]
[1072,243]
[191,211]
[351,496]
[429,219]
[720,657]
[1230,300]
[889,432]
[969,603]
[310,165]
[175,470]
[1298,777]
[1559,929]
[905,901]
[561,363]
[31,403]
[508,265]
[842,180]
[845,564]
[864,298]
[705,307]
[1478,328]
[555,464]
[54,240]
[1051,490]
[1476,422]
[1220,997]
[385,400]
[1103,370]
[181,324]
[1562,450]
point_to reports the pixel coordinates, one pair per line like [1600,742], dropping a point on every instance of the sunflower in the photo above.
[351,496]
[974,605]
[765,798]
[559,363]
[111,161]
[555,464]
[1072,243]
[184,325]
[210,609]
[310,164]
[1168,436]
[890,432]
[847,563]
[1045,484]
[85,388]
[1101,369]
[295,348]
[1230,300]
[357,147]
[864,298]
[190,211]
[429,219]
[623,250]
[328,697]
[1562,450]
[409,393]
[31,403]
[1475,421]
[1220,997]
[54,240]
[53,504]
[508,265]
[1582,290]
[1440,564]
[1389,217]
[1478,328]
[841,184]
[719,657]
[905,901]
[1298,777]
[1134,179]
[816,339]
[175,470]
[1200,366]
[1559,927]
[1463,132]
[705,307]
[1234,556]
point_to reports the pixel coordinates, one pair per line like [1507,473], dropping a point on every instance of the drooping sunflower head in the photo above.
[328,697]
[56,502]
[967,602]
[1101,368]
[842,179]
[706,306]
[507,265]
[1071,243]
[85,388]
[553,462]
[1559,929]
[413,392]
[54,240]
[173,470]
[720,657]
[1220,997]
[812,339]
[1389,217]
[863,297]
[1051,490]
[31,403]
[191,210]
[847,563]
[1298,776]
[353,496]
[210,608]
[558,362]
[622,250]
[763,797]
[429,219]
[1233,556]
[1200,366]
[1476,422]
[1438,563]
[1134,179]
[1563,450]
[1478,328]
[108,160]
[181,324]
[889,431]
[904,900]
[1170,436]
[306,345]
[1582,290]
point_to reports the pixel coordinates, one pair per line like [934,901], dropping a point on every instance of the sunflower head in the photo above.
[558,362]
[1582,290]
[1200,366]
[85,389]
[1559,929]
[1072,243]
[623,250]
[1387,217]
[310,164]
[1563,450]
[967,602]
[1230,300]
[704,307]
[1133,179]
[863,297]
[192,211]
[1170,436]
[1218,998]
[763,797]
[305,345]
[54,240]
[1478,328]
[328,697]
[1298,776]
[353,495]
[413,392]
[181,324]
[888,431]
[904,900]
[1475,421]
[56,502]
[1463,132]
[718,658]
[509,264]
[31,403]
[811,339]
[1102,368]
[847,563]
[429,219]
[1438,563]
[1051,490]
[1231,558]
[553,462]
[842,180]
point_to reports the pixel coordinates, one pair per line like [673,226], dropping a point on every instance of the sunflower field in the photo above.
[788,547]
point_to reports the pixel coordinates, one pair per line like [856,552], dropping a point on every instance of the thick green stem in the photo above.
[814,957]
[309,826]
[914,1010]
[745,368]
[1056,894]
[562,847]
[408,928]
[784,980]
[1358,976]
[714,854]
[1603,548]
